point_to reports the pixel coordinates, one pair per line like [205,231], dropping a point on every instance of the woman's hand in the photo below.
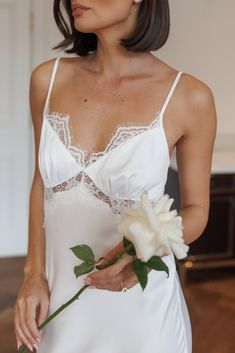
[33,294]
[110,277]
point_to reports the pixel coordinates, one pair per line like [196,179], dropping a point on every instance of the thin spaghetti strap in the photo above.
[167,100]
[51,84]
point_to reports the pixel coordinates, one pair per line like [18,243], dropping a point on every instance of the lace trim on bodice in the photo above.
[61,125]
[63,128]
[115,204]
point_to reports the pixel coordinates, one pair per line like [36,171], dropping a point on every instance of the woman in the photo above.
[106,123]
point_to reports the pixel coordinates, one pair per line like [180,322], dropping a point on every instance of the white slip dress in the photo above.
[83,199]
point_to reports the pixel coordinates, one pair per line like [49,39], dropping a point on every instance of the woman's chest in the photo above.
[135,160]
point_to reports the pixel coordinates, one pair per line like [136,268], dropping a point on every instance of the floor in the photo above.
[210,296]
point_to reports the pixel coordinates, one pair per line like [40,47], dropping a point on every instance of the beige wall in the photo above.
[202,42]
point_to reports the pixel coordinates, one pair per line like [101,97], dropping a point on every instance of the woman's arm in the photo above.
[196,123]
[35,255]
[194,156]
[34,290]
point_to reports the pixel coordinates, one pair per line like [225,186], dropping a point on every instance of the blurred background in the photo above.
[201,43]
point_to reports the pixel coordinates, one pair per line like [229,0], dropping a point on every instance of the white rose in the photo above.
[154,230]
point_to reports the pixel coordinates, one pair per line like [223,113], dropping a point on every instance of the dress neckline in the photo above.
[121,135]
[80,155]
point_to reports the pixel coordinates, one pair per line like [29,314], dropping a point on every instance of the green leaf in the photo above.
[156,263]
[140,269]
[127,242]
[83,252]
[85,267]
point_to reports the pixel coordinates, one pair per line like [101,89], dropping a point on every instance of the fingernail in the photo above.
[18,345]
[87,280]
[30,347]
[35,346]
[91,287]
[38,339]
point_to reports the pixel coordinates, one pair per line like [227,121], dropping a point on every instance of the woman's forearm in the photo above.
[35,260]
[194,220]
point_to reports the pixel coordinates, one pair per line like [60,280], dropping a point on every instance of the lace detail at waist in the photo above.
[115,204]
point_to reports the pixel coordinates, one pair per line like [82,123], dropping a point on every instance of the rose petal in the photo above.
[142,238]
[180,250]
[159,205]
[168,204]
[154,229]
[147,206]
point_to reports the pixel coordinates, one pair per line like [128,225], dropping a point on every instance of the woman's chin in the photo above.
[83,29]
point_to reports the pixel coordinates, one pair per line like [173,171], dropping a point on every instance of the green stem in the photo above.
[120,254]
[76,296]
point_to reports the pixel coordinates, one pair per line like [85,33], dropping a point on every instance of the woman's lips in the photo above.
[78,11]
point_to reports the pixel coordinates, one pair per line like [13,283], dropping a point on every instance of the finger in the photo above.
[21,338]
[117,267]
[30,318]
[43,311]
[22,316]
[115,251]
[19,332]
[18,340]
[127,277]
[112,253]
[18,343]
[104,275]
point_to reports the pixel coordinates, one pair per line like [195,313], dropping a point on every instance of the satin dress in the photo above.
[83,199]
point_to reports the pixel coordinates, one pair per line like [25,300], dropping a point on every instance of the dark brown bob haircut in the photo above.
[150,34]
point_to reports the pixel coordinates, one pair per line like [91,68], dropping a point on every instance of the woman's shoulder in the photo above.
[40,77]
[193,87]
[192,92]
[194,97]
[39,82]
[189,87]
[197,103]
[196,91]
[42,72]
